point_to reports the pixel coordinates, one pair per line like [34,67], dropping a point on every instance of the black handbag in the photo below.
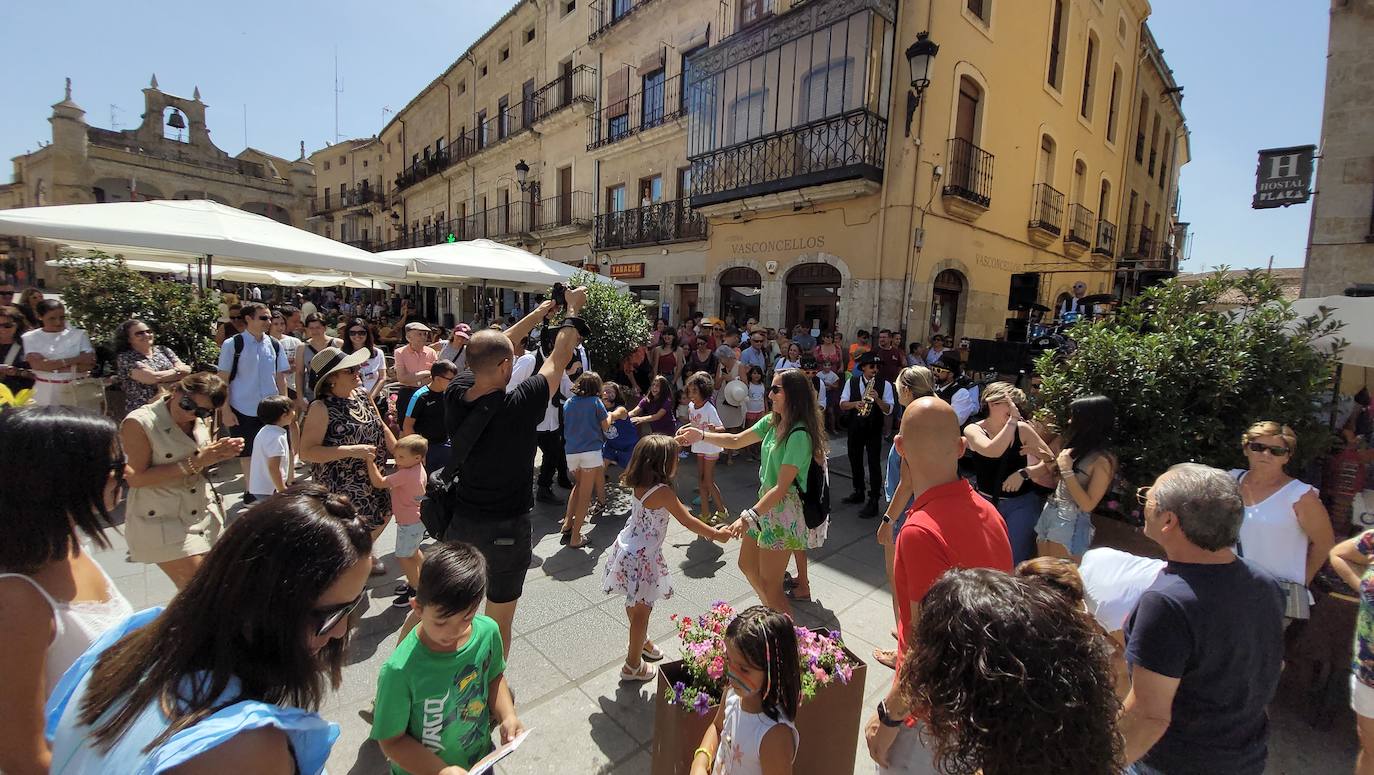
[437,507]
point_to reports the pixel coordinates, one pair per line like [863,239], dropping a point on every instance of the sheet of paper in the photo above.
[487,764]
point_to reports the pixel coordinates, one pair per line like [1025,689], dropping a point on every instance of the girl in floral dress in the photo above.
[635,567]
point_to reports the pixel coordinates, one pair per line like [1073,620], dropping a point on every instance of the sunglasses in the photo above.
[1142,494]
[143,333]
[354,370]
[188,404]
[775,389]
[357,333]
[1275,451]
[264,317]
[326,619]
[941,368]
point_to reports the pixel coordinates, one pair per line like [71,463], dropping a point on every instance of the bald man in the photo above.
[949,526]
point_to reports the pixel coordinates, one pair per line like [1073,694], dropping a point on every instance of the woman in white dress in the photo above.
[59,356]
[61,472]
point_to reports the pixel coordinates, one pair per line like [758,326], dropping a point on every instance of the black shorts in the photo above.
[508,546]
[247,429]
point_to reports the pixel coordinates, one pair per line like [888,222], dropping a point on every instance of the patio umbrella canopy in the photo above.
[189,230]
[482,261]
[1357,314]
[241,274]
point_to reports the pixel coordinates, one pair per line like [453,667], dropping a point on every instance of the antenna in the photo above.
[114,117]
[245,125]
[338,89]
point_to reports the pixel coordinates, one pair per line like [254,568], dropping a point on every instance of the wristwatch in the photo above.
[884,718]
[887,519]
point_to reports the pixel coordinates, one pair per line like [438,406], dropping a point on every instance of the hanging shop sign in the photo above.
[1284,177]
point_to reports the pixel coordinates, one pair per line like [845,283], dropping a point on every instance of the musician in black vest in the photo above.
[867,400]
[952,387]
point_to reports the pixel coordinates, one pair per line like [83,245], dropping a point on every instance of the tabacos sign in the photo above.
[1284,177]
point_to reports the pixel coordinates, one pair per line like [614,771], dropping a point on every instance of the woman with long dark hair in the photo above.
[14,372]
[228,677]
[316,339]
[776,527]
[144,367]
[358,335]
[667,356]
[1086,469]
[175,514]
[61,472]
[657,407]
[1008,677]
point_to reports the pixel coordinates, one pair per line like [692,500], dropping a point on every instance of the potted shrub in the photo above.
[690,689]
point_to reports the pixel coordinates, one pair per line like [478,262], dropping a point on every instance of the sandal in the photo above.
[582,543]
[795,595]
[886,657]
[564,537]
[652,654]
[644,674]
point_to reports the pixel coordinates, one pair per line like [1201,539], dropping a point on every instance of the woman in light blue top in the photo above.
[228,676]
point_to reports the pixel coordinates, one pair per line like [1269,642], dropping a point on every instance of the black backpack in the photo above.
[816,497]
[238,353]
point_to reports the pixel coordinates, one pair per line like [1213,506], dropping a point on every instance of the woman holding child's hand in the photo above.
[776,526]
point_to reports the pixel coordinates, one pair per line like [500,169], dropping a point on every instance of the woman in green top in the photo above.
[775,527]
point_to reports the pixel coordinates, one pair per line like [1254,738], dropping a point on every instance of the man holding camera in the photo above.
[493,495]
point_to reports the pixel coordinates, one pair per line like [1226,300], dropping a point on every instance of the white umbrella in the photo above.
[1357,314]
[191,230]
[482,261]
[239,274]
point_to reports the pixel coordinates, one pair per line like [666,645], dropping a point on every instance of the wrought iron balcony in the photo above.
[1139,244]
[605,14]
[423,168]
[570,210]
[1080,226]
[1106,238]
[370,245]
[968,177]
[647,109]
[1047,209]
[578,85]
[655,224]
[844,147]
[352,197]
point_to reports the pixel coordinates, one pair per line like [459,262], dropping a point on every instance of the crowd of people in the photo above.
[1020,647]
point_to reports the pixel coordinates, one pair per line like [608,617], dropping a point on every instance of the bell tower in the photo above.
[189,115]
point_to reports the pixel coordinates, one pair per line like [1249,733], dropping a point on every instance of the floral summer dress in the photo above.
[636,568]
[354,420]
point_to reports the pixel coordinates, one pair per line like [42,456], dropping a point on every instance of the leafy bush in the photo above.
[1189,377]
[617,322]
[102,293]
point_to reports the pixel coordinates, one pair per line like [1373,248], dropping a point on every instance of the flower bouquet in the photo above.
[690,690]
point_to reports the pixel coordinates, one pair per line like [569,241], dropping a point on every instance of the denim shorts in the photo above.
[408,538]
[1067,525]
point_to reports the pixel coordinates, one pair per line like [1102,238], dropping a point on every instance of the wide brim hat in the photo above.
[869,357]
[950,360]
[735,392]
[331,360]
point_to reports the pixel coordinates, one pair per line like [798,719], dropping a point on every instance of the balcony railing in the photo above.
[651,107]
[571,209]
[1139,244]
[578,85]
[970,172]
[1047,208]
[605,14]
[842,147]
[655,224]
[425,167]
[370,245]
[1106,239]
[349,198]
[1080,226]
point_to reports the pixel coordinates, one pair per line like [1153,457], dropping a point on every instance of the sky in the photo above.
[1253,79]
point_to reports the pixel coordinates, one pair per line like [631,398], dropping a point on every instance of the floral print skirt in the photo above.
[784,528]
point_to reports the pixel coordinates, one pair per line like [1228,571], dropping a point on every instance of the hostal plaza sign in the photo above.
[1283,177]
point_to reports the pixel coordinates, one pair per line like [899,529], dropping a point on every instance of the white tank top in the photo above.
[1271,537]
[741,735]
[76,625]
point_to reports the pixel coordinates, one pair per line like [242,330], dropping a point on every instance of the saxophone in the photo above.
[870,398]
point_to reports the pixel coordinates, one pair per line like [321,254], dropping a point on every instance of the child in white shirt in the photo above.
[702,414]
[269,470]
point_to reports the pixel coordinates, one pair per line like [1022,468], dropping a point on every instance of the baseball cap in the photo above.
[462,329]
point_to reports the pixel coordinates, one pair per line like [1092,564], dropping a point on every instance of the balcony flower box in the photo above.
[689,692]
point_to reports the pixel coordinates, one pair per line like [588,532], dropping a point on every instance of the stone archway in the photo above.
[813,296]
[741,295]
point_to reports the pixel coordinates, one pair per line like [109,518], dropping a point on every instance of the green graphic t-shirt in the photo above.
[441,699]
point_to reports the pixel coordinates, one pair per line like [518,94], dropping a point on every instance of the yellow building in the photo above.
[767,158]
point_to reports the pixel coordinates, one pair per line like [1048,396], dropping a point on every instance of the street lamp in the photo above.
[919,57]
[522,175]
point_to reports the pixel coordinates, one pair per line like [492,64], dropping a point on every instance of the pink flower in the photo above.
[1113,505]
[820,674]
[717,668]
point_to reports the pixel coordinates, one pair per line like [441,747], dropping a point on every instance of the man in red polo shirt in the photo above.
[948,526]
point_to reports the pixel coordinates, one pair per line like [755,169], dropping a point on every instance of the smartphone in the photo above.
[559,294]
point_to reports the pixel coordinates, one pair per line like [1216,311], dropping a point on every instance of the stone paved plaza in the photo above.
[570,638]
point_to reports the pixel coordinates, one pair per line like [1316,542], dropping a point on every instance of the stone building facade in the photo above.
[766,158]
[1340,248]
[168,156]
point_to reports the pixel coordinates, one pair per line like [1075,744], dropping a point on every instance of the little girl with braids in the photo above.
[753,731]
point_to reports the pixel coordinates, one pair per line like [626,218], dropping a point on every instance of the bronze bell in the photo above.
[176,121]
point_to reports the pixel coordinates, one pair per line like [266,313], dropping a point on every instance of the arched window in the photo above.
[968,117]
[174,125]
[1114,104]
[1047,154]
[1085,108]
[945,297]
[740,291]
[1080,181]
[1059,25]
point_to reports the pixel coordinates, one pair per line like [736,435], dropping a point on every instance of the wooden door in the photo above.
[564,196]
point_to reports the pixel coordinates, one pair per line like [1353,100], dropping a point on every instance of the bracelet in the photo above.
[750,517]
[710,759]
[885,719]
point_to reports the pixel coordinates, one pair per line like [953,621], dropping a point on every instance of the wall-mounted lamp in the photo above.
[918,57]
[522,175]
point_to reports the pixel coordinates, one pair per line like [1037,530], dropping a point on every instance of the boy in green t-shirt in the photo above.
[443,689]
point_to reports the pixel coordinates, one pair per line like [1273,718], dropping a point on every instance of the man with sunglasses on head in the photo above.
[254,366]
[1074,304]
